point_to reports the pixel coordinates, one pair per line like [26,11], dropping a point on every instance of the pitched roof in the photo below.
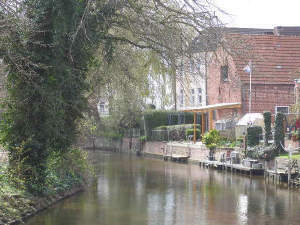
[274,58]
[240,30]
[286,30]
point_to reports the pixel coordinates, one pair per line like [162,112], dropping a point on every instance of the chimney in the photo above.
[276,31]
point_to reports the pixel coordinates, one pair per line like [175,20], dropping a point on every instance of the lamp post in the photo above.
[250,94]
[248,69]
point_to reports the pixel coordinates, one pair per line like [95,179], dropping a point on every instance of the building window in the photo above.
[282,109]
[192,66]
[102,107]
[181,97]
[224,73]
[192,96]
[199,96]
[181,68]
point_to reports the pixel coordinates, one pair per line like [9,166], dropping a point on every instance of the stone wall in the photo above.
[197,152]
[104,143]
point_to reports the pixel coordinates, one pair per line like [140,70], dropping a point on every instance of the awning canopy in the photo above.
[214,107]
[250,118]
[210,108]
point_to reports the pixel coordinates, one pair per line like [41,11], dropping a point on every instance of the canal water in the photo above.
[143,191]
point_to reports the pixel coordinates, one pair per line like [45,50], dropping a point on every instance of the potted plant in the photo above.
[212,140]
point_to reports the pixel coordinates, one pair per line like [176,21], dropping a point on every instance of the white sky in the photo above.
[260,13]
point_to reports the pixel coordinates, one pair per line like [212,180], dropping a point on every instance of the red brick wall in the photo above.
[267,97]
[220,91]
[264,96]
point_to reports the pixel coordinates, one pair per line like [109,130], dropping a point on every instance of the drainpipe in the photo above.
[205,77]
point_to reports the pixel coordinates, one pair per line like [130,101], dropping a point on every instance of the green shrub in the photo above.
[189,117]
[279,132]
[261,152]
[172,133]
[67,170]
[253,134]
[159,119]
[212,139]
[191,132]
[267,121]
[161,128]
[143,139]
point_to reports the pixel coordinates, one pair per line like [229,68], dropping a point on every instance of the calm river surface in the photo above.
[143,191]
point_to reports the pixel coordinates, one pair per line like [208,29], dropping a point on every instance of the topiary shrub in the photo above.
[267,121]
[253,134]
[279,132]
[189,132]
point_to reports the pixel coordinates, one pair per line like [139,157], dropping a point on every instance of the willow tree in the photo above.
[47,46]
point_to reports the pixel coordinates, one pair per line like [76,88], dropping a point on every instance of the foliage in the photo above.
[63,172]
[48,47]
[267,121]
[212,139]
[67,170]
[154,119]
[173,132]
[253,135]
[279,132]
[159,119]
[262,152]
[46,83]
[294,156]
[189,132]
[225,142]
[142,139]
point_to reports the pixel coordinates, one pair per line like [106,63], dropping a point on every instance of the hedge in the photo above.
[158,118]
[173,133]
[191,132]
[253,134]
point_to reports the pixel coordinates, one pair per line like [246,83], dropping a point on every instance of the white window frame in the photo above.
[102,107]
[181,98]
[281,106]
[192,97]
[199,96]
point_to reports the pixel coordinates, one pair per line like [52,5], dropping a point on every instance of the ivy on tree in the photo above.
[48,46]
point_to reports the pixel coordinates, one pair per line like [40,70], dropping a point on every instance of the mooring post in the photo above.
[275,171]
[289,168]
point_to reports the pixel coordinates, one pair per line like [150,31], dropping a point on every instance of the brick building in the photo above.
[275,57]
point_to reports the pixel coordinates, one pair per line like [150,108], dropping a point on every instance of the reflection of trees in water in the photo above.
[139,191]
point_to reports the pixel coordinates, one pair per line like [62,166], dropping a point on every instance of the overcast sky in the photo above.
[260,13]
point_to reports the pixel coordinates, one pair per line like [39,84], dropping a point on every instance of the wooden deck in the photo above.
[174,152]
[232,167]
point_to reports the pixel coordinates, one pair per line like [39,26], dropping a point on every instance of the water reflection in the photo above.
[134,191]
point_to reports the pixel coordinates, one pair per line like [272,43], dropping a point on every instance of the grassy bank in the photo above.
[294,156]
[65,176]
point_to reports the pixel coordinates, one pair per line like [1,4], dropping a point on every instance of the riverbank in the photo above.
[65,176]
[17,207]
